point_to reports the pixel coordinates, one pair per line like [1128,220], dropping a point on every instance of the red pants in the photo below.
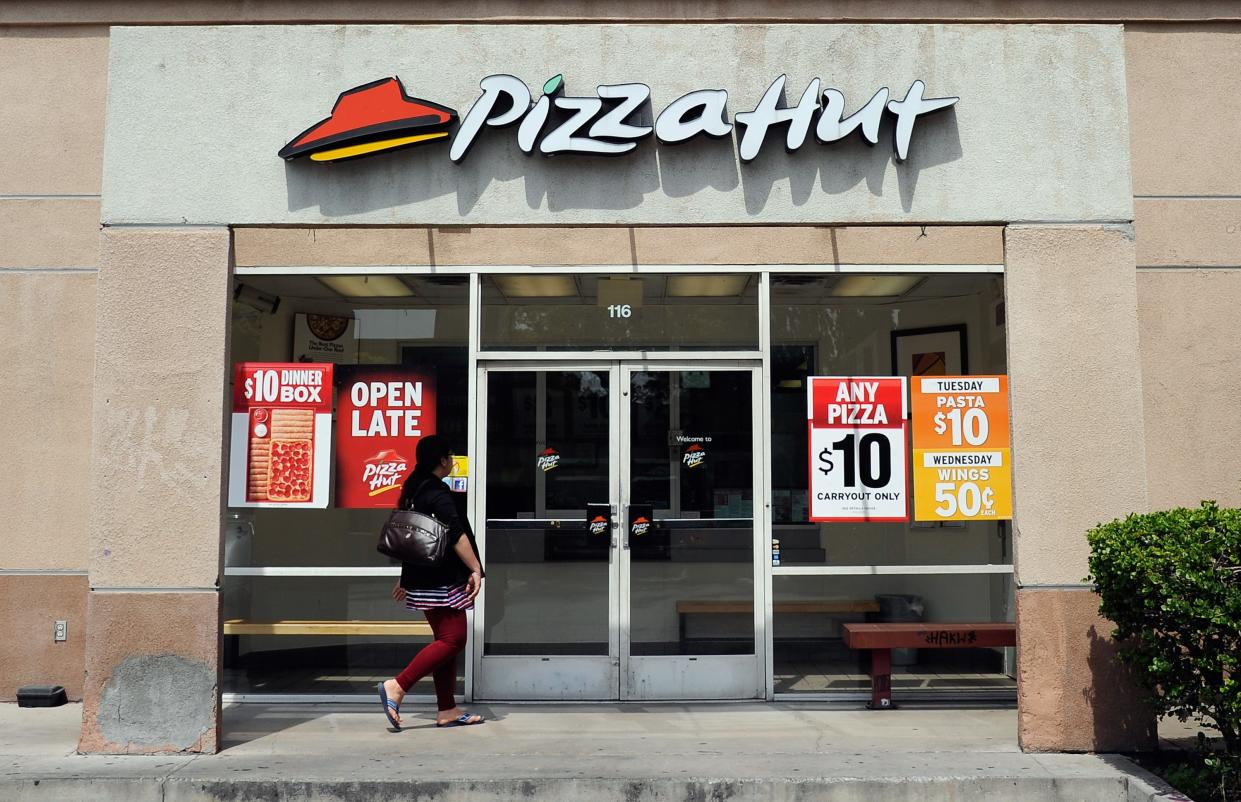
[439,657]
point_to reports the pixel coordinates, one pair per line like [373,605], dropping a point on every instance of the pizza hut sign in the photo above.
[382,411]
[380,116]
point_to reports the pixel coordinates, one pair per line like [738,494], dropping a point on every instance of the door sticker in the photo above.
[694,457]
[549,460]
[640,519]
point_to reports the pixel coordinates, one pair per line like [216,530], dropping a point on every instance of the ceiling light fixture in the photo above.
[718,286]
[381,286]
[519,286]
[874,286]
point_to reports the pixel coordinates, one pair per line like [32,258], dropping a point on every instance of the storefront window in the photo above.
[567,311]
[307,603]
[310,579]
[810,655]
[949,571]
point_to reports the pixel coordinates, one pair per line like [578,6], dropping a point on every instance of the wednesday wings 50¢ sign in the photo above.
[962,463]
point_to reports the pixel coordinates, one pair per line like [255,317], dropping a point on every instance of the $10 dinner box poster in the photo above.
[857,431]
[281,439]
[382,411]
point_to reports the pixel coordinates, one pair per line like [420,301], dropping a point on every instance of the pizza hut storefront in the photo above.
[781,365]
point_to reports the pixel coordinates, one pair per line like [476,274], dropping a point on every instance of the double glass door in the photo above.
[618,525]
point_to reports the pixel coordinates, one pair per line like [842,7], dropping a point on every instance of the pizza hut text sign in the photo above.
[281,435]
[382,411]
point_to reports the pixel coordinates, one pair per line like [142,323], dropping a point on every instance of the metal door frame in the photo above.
[537,677]
[693,677]
[546,678]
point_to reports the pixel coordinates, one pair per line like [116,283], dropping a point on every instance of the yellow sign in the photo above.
[962,466]
[460,467]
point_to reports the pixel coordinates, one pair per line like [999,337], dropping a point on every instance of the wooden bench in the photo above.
[744,607]
[881,639]
[240,626]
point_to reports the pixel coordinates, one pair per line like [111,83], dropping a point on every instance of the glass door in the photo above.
[549,481]
[619,532]
[689,463]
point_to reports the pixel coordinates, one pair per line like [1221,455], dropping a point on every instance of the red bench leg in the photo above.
[880,680]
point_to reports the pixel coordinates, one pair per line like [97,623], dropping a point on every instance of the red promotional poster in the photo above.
[857,430]
[382,411]
[281,427]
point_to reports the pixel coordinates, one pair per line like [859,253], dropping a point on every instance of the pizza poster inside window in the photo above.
[281,435]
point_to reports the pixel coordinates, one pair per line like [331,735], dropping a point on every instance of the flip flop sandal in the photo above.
[391,708]
[463,720]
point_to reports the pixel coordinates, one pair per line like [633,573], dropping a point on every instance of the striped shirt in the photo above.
[454,596]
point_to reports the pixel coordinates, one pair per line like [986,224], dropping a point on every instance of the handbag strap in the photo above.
[418,490]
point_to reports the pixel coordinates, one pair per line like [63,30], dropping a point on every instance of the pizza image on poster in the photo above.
[281,455]
[281,439]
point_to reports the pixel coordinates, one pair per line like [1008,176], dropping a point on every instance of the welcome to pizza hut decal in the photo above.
[382,412]
[281,435]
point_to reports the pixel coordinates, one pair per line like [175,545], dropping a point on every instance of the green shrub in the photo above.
[1171,582]
[1201,779]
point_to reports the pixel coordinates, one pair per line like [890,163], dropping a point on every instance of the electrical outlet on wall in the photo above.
[61,632]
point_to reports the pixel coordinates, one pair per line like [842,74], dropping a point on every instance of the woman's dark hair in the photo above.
[431,449]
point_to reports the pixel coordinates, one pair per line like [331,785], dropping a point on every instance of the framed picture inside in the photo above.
[933,351]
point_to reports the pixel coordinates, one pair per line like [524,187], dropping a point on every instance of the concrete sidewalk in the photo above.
[572,753]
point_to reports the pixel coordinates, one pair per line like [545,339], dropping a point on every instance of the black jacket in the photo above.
[426,493]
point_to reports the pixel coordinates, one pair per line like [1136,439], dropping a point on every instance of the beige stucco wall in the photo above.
[48,254]
[1078,460]
[665,245]
[159,405]
[1073,364]
[1074,694]
[52,81]
[48,354]
[49,232]
[156,492]
[1184,109]
[30,606]
[1189,232]
[1185,113]
[54,84]
[1190,357]
[152,673]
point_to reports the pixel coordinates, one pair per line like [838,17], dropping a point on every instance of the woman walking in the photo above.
[442,592]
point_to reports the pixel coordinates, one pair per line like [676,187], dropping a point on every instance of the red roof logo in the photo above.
[372,118]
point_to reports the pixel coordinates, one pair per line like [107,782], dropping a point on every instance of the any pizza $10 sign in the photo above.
[858,429]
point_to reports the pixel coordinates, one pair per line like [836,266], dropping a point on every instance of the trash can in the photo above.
[896,608]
